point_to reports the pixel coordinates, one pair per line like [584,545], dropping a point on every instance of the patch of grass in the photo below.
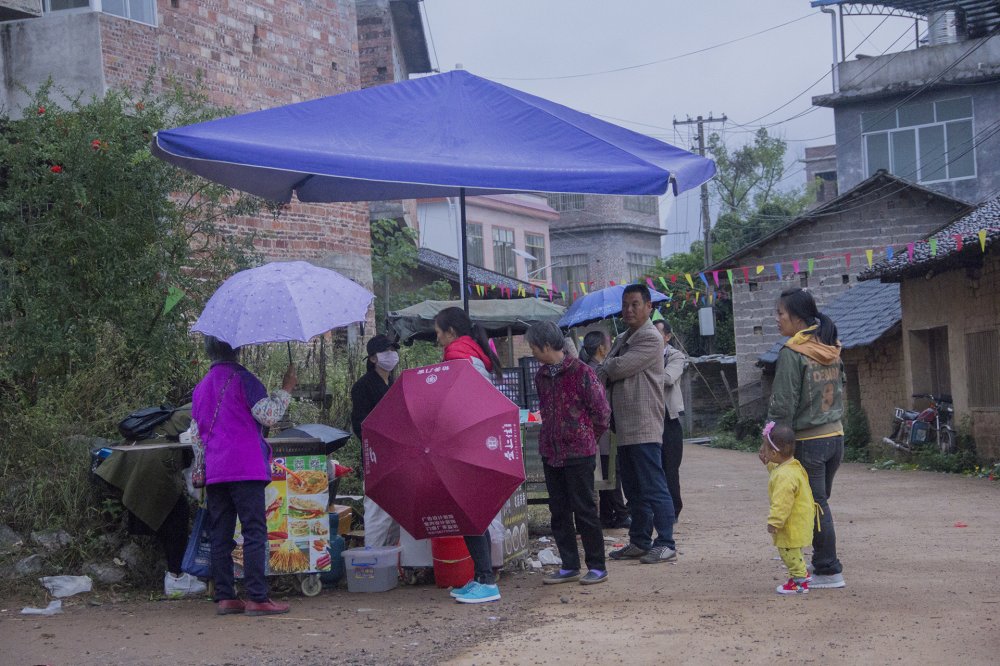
[727,440]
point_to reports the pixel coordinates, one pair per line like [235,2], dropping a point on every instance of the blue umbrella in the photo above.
[599,305]
[452,134]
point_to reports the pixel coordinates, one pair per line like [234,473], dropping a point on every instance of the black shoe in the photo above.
[560,577]
[629,552]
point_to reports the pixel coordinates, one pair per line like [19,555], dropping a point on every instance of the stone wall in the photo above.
[889,215]
[963,302]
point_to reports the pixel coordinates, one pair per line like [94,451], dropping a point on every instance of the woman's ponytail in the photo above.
[826,330]
[477,333]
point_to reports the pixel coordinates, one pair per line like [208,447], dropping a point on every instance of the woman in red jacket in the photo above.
[575,413]
[462,339]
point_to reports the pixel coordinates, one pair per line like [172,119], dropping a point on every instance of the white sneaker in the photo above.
[184,585]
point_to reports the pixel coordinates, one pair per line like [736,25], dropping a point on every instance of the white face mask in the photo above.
[387,360]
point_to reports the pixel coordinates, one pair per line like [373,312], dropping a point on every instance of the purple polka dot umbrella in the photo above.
[281,302]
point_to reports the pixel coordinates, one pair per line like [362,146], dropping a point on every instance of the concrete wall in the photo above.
[606,231]
[880,374]
[963,305]
[18,9]
[873,221]
[27,57]
[986,112]
[878,84]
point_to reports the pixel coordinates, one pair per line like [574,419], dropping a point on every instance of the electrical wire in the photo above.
[654,62]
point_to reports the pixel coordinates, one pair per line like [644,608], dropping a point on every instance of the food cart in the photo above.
[298,525]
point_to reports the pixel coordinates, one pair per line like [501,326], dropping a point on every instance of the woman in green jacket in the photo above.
[808,396]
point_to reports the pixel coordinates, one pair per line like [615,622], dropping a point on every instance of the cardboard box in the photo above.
[340,517]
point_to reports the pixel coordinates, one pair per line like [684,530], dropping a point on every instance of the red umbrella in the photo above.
[442,451]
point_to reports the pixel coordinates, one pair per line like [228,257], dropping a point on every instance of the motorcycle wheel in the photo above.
[946,440]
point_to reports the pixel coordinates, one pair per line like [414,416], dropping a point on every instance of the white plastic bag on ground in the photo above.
[546,556]
[66,586]
[54,607]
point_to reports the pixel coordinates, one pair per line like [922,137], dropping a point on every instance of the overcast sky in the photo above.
[563,50]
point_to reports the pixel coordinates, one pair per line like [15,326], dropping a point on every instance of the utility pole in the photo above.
[706,221]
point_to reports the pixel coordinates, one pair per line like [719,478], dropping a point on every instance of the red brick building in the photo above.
[251,54]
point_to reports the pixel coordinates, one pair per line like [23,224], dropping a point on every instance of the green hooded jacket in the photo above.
[808,391]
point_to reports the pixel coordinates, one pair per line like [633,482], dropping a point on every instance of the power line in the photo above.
[655,62]
[427,22]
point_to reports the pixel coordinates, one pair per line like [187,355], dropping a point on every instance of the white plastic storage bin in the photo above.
[372,569]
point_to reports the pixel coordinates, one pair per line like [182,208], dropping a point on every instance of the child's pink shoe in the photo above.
[791,587]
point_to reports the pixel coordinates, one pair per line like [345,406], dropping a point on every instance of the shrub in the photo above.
[857,437]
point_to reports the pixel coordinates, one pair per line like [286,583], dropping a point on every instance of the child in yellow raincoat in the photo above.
[793,510]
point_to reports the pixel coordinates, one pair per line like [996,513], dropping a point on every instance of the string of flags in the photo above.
[701,285]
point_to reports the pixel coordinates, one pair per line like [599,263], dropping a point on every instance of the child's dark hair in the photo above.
[456,320]
[800,303]
[783,437]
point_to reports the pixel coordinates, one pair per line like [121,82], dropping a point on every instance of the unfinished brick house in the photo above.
[950,298]
[880,211]
[251,54]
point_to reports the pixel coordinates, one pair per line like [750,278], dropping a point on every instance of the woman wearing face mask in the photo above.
[380,528]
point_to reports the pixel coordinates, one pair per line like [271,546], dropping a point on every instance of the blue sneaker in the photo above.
[465,589]
[480,594]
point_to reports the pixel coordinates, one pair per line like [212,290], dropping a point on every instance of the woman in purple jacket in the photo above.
[229,410]
[575,413]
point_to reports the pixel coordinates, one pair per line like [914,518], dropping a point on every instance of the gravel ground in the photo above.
[920,557]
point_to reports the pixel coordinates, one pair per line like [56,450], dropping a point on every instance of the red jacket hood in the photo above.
[466,347]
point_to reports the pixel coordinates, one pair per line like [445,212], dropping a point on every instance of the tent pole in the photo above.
[463,260]
[510,346]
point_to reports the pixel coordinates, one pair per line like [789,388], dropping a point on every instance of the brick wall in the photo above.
[871,221]
[377,45]
[253,55]
[962,303]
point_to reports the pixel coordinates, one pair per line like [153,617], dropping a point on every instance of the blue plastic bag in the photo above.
[198,554]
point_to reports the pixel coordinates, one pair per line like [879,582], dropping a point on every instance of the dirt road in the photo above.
[921,588]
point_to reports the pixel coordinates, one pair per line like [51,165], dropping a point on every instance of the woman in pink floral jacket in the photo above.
[575,413]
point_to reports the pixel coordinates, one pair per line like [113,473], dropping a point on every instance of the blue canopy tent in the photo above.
[452,134]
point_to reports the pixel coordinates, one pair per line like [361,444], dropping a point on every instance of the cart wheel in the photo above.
[310,584]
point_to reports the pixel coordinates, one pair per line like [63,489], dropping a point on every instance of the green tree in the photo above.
[394,258]
[97,235]
[107,255]
[747,189]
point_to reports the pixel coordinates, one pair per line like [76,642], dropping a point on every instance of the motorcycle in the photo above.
[914,430]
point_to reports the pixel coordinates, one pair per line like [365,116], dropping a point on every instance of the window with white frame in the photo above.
[639,265]
[924,142]
[143,11]
[474,243]
[534,244]
[503,252]
[571,269]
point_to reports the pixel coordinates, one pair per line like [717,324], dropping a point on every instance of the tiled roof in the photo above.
[948,254]
[448,268]
[863,314]
[881,183]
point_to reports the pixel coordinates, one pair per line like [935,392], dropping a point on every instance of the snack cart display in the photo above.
[298,527]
